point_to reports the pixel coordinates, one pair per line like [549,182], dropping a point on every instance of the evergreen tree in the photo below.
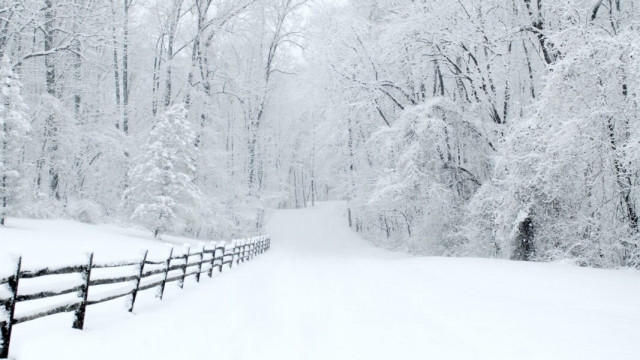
[14,129]
[163,194]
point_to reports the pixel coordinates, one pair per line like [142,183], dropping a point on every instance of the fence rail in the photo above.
[189,264]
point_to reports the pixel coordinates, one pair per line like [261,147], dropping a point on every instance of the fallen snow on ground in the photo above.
[323,293]
[63,242]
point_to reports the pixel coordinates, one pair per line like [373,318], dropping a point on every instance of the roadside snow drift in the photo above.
[323,293]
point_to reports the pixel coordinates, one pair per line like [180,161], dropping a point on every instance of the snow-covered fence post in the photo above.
[184,268]
[78,321]
[134,293]
[240,247]
[225,250]
[10,308]
[200,264]
[233,253]
[236,252]
[166,273]
[213,260]
[244,250]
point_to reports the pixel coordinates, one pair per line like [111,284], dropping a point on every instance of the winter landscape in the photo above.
[319,179]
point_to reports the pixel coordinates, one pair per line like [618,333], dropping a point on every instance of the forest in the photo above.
[484,128]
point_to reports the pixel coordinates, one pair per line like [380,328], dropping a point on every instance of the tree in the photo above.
[163,194]
[14,129]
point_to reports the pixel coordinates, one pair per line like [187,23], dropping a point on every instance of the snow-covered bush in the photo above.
[85,210]
[435,158]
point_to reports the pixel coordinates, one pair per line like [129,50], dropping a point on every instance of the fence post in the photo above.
[10,308]
[213,260]
[237,256]
[78,321]
[233,254]
[184,268]
[134,293]
[224,252]
[200,264]
[166,273]
[244,251]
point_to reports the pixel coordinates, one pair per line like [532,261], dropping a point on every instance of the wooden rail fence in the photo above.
[163,271]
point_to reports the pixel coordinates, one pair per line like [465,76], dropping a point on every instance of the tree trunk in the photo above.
[3,181]
[125,68]
[155,80]
[51,126]
[116,67]
[523,247]
[548,51]
[173,26]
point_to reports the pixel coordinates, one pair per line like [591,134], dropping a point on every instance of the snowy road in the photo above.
[322,293]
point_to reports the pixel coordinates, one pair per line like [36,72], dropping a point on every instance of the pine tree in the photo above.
[14,129]
[163,194]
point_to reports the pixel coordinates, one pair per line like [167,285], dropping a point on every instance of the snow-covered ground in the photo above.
[62,242]
[323,293]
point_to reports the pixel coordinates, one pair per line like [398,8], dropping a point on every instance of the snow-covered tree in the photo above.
[163,195]
[14,129]
[435,157]
[571,168]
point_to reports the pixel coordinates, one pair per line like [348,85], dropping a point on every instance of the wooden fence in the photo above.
[173,268]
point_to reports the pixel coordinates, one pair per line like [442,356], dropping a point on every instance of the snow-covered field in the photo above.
[62,242]
[323,293]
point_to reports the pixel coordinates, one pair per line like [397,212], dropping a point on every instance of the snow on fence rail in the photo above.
[158,274]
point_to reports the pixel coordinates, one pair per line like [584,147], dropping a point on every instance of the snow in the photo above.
[63,242]
[321,292]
